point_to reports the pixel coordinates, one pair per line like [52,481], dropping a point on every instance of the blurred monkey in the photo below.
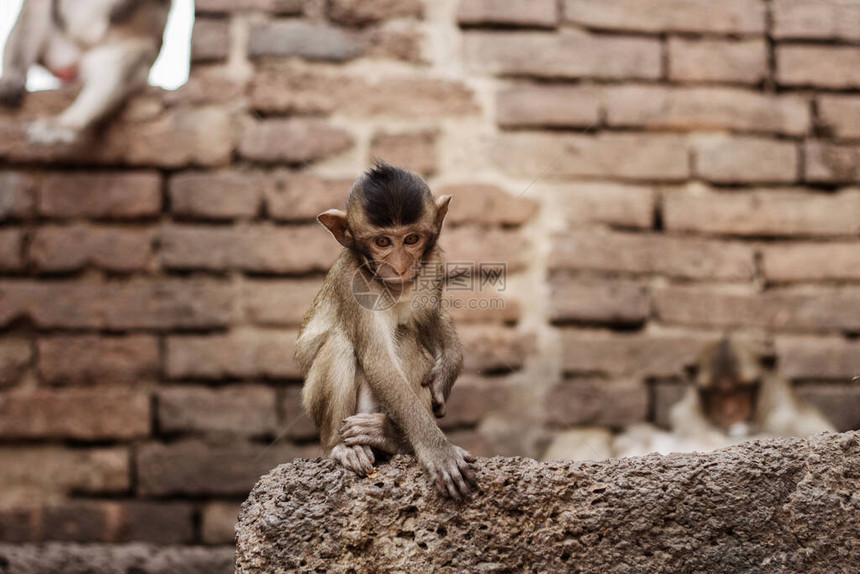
[109,45]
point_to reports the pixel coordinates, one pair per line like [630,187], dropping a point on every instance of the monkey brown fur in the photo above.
[375,376]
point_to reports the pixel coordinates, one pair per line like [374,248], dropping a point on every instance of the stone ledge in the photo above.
[770,505]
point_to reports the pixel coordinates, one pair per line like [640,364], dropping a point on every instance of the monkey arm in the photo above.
[448,352]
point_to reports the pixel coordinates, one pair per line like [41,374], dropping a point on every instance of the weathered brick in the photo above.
[286,90]
[119,305]
[197,469]
[610,155]
[10,250]
[88,359]
[218,521]
[840,115]
[15,357]
[473,398]
[741,159]
[799,309]
[274,6]
[707,108]
[257,248]
[660,16]
[361,12]
[404,43]
[485,204]
[489,349]
[594,401]
[75,522]
[70,248]
[219,195]
[301,197]
[295,423]
[652,254]
[415,151]
[78,558]
[840,404]
[763,213]
[69,414]
[816,19]
[117,522]
[20,524]
[286,38]
[606,203]
[562,55]
[622,355]
[278,302]
[811,262]
[48,473]
[100,196]
[481,306]
[476,245]
[247,410]
[210,39]
[243,354]
[717,60]
[584,300]
[827,162]
[294,141]
[16,195]
[548,106]
[818,358]
[525,13]
[836,67]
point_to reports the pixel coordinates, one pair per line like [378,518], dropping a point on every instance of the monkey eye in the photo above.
[411,239]
[382,241]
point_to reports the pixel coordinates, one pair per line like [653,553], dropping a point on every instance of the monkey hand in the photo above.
[371,429]
[46,132]
[359,458]
[449,468]
[12,90]
[440,383]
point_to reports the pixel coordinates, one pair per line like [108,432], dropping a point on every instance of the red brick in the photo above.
[476,245]
[652,254]
[617,355]
[414,151]
[820,309]
[218,522]
[278,302]
[75,522]
[836,67]
[118,305]
[239,354]
[485,204]
[546,55]
[486,306]
[818,358]
[70,414]
[16,195]
[210,40]
[10,250]
[661,16]
[218,195]
[585,300]
[525,13]
[840,115]
[197,469]
[404,43]
[101,196]
[294,141]
[295,423]
[771,213]
[274,6]
[727,159]
[609,155]
[361,12]
[811,262]
[606,203]
[15,358]
[827,162]
[301,197]
[693,109]
[48,473]
[257,248]
[717,60]
[491,349]
[548,106]
[839,403]
[593,401]
[20,525]
[74,247]
[88,359]
[296,38]
[816,19]
[247,410]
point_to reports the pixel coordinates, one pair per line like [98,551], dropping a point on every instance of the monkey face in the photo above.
[397,252]
[729,405]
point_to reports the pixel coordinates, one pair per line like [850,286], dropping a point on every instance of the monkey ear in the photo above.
[335,221]
[442,209]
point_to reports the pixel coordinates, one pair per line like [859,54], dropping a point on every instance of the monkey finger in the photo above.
[466,454]
[369,452]
[462,484]
[468,473]
[453,492]
[355,465]
[362,459]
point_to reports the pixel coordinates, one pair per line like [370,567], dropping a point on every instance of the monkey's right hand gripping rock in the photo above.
[449,468]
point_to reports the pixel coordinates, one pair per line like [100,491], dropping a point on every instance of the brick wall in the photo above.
[653,173]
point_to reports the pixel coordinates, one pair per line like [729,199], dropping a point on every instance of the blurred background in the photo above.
[653,174]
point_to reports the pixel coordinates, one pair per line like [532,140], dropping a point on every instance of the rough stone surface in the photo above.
[774,505]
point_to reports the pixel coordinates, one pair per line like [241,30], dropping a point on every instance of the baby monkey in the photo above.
[378,353]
